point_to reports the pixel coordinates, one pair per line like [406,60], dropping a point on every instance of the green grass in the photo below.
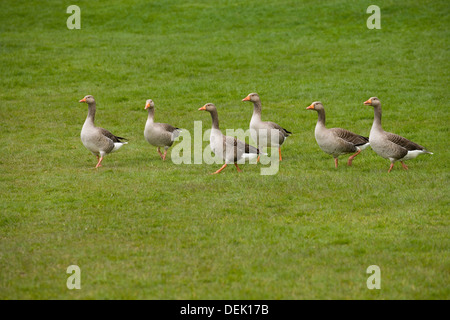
[143,229]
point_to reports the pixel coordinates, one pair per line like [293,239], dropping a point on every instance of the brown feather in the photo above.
[403,142]
[109,135]
[349,136]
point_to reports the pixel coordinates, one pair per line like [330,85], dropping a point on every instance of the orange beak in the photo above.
[247,98]
[310,107]
[368,102]
[202,108]
[82,100]
[147,106]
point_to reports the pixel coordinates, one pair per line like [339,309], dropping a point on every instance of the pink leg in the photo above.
[390,168]
[99,164]
[336,162]
[160,154]
[279,152]
[164,156]
[404,165]
[239,170]
[352,157]
[223,167]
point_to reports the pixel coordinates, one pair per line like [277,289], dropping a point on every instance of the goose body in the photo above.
[336,141]
[159,134]
[390,145]
[265,133]
[98,140]
[229,148]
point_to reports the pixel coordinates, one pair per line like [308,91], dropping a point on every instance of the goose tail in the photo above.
[118,145]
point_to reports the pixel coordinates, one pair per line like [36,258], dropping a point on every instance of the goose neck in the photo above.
[151,114]
[320,118]
[91,113]
[257,110]
[377,117]
[215,119]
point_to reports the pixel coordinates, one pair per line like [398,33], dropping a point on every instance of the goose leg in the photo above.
[404,165]
[390,168]
[259,155]
[336,162]
[279,152]
[99,164]
[352,157]
[164,156]
[223,167]
[160,154]
[238,169]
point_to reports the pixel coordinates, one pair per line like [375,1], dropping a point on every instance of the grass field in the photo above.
[140,228]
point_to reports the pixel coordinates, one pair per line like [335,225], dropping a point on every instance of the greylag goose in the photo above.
[159,134]
[389,145]
[98,140]
[261,131]
[229,148]
[336,141]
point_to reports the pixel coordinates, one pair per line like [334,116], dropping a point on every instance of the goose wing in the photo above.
[403,142]
[175,132]
[273,125]
[109,135]
[349,136]
[234,148]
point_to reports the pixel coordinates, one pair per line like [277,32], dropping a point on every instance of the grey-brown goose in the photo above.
[336,141]
[261,131]
[159,134]
[229,148]
[389,145]
[98,140]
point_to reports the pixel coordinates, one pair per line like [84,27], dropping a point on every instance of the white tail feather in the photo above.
[363,146]
[176,134]
[118,145]
[413,154]
[249,155]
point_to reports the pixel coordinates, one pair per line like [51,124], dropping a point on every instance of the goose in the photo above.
[98,140]
[159,134]
[261,130]
[229,148]
[389,145]
[336,141]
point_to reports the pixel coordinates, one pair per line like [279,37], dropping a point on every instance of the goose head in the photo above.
[208,107]
[317,105]
[149,104]
[253,97]
[88,99]
[374,102]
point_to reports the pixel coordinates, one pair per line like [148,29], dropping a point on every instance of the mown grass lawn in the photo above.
[140,228]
